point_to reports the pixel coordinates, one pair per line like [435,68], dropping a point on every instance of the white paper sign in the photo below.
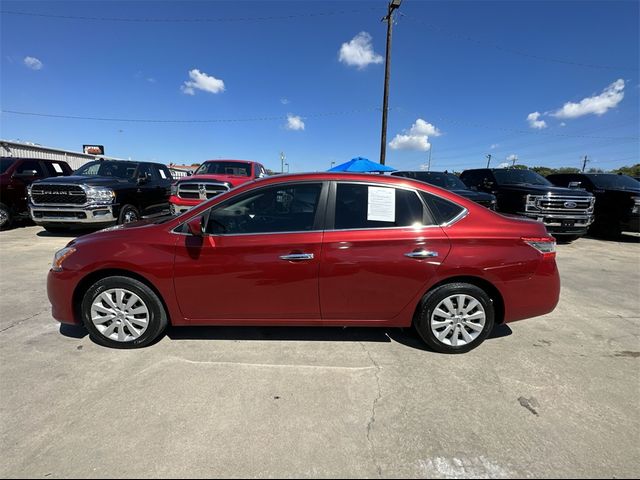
[57,167]
[382,204]
[162,174]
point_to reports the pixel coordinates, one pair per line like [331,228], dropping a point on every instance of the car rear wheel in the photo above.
[128,214]
[121,312]
[455,318]
[5,217]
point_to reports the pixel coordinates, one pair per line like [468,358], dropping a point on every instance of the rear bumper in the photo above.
[535,296]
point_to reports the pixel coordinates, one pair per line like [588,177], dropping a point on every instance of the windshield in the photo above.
[514,176]
[225,168]
[445,180]
[612,180]
[124,170]
[5,163]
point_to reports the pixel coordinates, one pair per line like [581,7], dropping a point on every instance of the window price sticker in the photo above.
[381,205]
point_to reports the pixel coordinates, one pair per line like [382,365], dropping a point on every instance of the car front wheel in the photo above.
[455,317]
[122,312]
[5,217]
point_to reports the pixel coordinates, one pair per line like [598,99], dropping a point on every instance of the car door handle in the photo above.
[297,257]
[421,254]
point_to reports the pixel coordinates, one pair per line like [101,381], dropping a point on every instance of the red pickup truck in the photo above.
[212,178]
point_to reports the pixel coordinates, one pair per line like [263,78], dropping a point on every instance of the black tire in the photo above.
[6,219]
[433,298]
[128,214]
[157,318]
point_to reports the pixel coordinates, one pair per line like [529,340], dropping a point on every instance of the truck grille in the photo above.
[562,204]
[200,191]
[55,194]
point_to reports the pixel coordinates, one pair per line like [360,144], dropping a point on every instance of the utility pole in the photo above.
[287,165]
[282,157]
[393,5]
[584,162]
[429,164]
[488,160]
[515,159]
[332,164]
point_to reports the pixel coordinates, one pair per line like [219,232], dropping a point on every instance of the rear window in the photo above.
[443,210]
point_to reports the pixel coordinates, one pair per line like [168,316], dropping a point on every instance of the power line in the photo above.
[513,50]
[190,20]
[211,120]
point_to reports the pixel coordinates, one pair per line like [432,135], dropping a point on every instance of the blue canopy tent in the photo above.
[361,165]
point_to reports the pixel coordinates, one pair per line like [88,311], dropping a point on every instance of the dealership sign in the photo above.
[93,149]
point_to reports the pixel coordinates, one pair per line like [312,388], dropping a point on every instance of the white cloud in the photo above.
[494,146]
[562,124]
[294,122]
[33,63]
[358,52]
[285,101]
[610,97]
[504,165]
[424,167]
[417,138]
[510,161]
[532,118]
[201,81]
[151,80]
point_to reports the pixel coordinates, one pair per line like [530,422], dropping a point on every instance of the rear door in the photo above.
[380,249]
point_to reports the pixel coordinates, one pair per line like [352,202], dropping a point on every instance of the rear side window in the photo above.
[443,210]
[30,166]
[366,206]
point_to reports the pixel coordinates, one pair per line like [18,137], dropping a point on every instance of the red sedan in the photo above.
[312,249]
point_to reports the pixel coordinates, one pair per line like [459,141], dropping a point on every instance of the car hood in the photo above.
[631,191]
[86,180]
[234,180]
[544,189]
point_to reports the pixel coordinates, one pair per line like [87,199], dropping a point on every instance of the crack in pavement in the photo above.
[372,419]
[24,320]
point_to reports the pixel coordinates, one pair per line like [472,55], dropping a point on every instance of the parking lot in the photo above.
[554,396]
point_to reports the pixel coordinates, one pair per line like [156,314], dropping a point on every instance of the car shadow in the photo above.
[65,234]
[625,237]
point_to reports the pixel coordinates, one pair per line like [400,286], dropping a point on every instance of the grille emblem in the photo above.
[202,191]
[570,204]
[47,192]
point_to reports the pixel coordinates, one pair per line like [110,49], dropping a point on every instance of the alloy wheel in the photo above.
[458,320]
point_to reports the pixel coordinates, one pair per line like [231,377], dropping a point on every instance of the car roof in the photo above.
[229,160]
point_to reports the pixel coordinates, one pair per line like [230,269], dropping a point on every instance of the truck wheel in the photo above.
[121,312]
[5,217]
[455,318]
[128,214]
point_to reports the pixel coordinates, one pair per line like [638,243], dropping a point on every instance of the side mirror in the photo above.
[195,226]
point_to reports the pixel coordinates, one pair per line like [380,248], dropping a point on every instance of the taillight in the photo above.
[545,245]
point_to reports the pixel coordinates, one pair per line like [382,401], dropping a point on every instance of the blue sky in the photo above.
[546,81]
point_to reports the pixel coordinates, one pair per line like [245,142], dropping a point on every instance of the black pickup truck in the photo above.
[450,182]
[617,200]
[567,213]
[101,193]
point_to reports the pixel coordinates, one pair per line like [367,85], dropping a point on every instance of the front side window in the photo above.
[30,166]
[5,163]
[365,206]
[124,170]
[284,208]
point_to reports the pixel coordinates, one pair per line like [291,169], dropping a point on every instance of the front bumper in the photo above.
[632,223]
[562,224]
[181,205]
[89,214]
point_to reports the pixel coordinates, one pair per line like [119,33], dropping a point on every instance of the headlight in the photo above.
[636,205]
[60,256]
[100,194]
[531,202]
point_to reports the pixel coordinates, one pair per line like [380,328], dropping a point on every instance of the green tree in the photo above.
[632,171]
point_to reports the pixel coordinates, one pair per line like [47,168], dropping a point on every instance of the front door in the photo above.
[259,259]
[380,254]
